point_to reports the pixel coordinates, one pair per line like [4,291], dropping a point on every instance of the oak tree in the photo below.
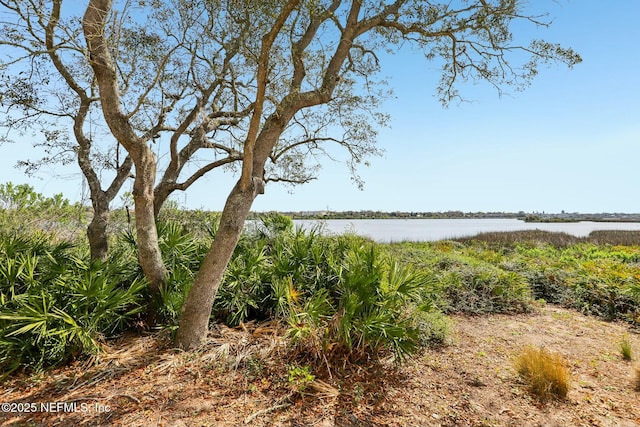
[310,56]
[267,88]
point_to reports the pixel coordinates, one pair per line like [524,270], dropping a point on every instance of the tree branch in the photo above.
[246,178]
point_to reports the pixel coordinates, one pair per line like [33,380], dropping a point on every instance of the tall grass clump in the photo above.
[545,373]
[625,349]
[615,237]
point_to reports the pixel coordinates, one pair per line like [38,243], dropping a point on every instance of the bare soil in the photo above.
[240,378]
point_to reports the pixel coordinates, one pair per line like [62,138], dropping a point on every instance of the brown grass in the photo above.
[510,238]
[557,239]
[615,237]
[545,373]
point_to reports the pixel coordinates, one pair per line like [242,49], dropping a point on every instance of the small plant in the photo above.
[625,348]
[435,327]
[545,373]
[300,377]
[254,368]
[636,379]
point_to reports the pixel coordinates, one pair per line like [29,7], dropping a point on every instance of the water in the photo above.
[424,230]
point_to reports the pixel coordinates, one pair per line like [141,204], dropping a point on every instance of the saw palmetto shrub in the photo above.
[338,296]
[356,304]
[55,304]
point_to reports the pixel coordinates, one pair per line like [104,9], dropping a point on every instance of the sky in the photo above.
[570,142]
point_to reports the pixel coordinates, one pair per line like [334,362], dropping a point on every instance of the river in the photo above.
[424,230]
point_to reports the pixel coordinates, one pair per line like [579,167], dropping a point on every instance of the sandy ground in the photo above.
[139,381]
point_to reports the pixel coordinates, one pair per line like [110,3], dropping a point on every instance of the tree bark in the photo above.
[196,311]
[97,228]
[93,24]
[149,254]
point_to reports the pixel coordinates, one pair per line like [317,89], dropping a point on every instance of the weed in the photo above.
[254,368]
[625,348]
[299,377]
[544,372]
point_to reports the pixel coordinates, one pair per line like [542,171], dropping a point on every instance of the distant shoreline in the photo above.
[526,217]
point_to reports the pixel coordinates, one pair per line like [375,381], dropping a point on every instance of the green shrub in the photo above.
[55,304]
[182,252]
[370,315]
[482,275]
[339,296]
[273,224]
[486,289]
[608,300]
[371,309]
[435,327]
[25,210]
[245,289]
[548,284]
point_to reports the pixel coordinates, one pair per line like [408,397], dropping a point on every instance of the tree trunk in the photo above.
[149,254]
[97,229]
[196,311]
[94,23]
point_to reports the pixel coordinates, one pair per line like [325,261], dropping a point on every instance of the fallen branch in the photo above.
[275,407]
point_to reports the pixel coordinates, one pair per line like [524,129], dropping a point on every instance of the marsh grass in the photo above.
[615,237]
[556,239]
[544,372]
[512,238]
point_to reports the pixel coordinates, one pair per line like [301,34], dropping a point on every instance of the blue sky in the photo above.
[571,141]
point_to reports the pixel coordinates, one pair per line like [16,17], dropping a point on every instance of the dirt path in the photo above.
[468,383]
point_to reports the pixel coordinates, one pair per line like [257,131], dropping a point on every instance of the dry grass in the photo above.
[557,239]
[510,238]
[545,373]
[615,237]
[625,349]
[636,379]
